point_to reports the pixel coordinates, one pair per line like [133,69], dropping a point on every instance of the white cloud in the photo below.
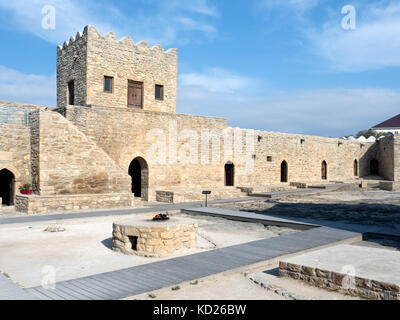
[159,26]
[27,88]
[217,80]
[375,44]
[334,112]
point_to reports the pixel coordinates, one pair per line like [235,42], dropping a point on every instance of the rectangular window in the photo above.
[108,84]
[71,93]
[159,92]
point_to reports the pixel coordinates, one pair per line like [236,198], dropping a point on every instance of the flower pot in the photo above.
[23,191]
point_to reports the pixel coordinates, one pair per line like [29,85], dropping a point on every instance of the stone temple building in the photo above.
[115,140]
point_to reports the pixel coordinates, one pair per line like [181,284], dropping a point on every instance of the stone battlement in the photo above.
[110,37]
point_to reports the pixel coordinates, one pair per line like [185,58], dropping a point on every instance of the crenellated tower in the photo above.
[104,71]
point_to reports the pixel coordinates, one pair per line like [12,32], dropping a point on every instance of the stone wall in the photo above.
[126,134]
[89,57]
[61,203]
[365,288]
[15,152]
[72,65]
[125,61]
[190,195]
[386,157]
[304,156]
[154,136]
[70,163]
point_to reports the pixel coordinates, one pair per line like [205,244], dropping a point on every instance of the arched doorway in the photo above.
[139,172]
[324,170]
[7,186]
[229,174]
[284,171]
[355,168]
[374,167]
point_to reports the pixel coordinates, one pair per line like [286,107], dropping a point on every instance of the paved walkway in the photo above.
[146,278]
[117,212]
[251,217]
[10,291]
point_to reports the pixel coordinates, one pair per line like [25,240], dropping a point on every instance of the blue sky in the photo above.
[275,65]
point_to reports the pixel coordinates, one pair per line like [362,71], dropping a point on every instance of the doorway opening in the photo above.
[229,174]
[7,187]
[284,171]
[324,170]
[139,172]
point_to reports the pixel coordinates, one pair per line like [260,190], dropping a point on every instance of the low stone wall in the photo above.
[365,288]
[153,239]
[50,204]
[267,188]
[181,196]
[389,186]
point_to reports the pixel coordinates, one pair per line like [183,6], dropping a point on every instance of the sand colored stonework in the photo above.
[154,238]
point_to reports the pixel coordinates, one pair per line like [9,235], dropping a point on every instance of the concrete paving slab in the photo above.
[368,263]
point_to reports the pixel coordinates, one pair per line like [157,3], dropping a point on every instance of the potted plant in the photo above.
[26,189]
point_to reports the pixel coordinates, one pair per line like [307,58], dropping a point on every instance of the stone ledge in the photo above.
[369,273]
[51,204]
[389,185]
[189,195]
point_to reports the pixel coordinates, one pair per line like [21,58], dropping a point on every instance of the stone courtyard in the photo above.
[80,183]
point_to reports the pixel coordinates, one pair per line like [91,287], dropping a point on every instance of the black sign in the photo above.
[206,192]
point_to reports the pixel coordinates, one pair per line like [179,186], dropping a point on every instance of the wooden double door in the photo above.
[135,94]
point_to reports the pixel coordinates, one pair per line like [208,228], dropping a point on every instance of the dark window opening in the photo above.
[284,171]
[159,92]
[133,240]
[269,159]
[108,84]
[71,93]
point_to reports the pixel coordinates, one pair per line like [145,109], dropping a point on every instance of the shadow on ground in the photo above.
[385,215]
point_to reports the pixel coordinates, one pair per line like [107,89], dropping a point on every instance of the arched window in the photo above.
[229,174]
[355,168]
[324,170]
[7,186]
[284,171]
[139,172]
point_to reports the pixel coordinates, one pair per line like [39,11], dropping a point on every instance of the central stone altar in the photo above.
[150,238]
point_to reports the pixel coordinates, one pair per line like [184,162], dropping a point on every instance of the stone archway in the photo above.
[7,187]
[229,174]
[284,171]
[139,172]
